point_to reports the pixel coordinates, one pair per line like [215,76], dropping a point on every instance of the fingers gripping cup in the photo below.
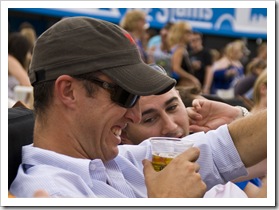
[164,149]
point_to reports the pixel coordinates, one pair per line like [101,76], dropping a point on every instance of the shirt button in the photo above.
[92,167]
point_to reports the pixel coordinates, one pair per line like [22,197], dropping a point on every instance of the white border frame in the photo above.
[269,201]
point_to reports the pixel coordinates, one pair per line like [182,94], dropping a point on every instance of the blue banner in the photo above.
[236,22]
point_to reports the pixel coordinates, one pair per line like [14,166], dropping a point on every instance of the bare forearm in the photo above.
[258,170]
[18,71]
[181,72]
[208,77]
[250,137]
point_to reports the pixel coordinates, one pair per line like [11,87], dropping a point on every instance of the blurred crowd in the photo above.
[226,74]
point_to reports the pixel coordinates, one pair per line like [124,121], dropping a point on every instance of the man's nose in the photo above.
[169,125]
[134,113]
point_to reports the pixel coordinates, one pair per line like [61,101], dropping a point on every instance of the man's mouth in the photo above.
[116,130]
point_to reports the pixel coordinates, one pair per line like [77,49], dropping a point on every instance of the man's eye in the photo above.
[171,108]
[148,120]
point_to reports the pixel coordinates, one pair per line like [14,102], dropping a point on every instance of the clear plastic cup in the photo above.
[164,149]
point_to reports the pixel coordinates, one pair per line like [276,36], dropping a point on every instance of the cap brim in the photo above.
[140,79]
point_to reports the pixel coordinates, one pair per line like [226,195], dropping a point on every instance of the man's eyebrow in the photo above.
[148,111]
[174,98]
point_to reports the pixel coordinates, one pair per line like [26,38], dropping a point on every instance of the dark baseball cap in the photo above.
[80,45]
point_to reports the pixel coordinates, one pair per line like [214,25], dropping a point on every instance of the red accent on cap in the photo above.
[130,38]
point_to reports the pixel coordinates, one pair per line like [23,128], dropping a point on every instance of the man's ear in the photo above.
[65,90]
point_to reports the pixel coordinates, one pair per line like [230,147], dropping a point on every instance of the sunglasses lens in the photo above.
[124,98]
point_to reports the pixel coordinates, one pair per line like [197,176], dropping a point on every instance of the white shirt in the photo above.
[64,176]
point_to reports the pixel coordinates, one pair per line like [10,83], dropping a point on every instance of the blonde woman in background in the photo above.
[134,22]
[228,70]
[260,93]
[178,38]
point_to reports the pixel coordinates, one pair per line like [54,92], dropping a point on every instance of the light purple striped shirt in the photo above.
[64,176]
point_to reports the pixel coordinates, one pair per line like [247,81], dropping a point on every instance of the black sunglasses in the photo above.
[117,94]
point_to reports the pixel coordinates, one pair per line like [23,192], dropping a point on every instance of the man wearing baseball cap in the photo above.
[87,76]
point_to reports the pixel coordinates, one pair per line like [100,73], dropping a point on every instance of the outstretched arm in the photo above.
[231,148]
[258,170]
[249,135]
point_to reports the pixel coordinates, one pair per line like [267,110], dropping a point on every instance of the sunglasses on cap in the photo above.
[117,94]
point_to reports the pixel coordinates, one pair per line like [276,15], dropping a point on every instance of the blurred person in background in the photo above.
[27,30]
[134,21]
[159,52]
[262,51]
[260,93]
[178,38]
[19,54]
[228,70]
[201,61]
[149,34]
[261,54]
[244,87]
